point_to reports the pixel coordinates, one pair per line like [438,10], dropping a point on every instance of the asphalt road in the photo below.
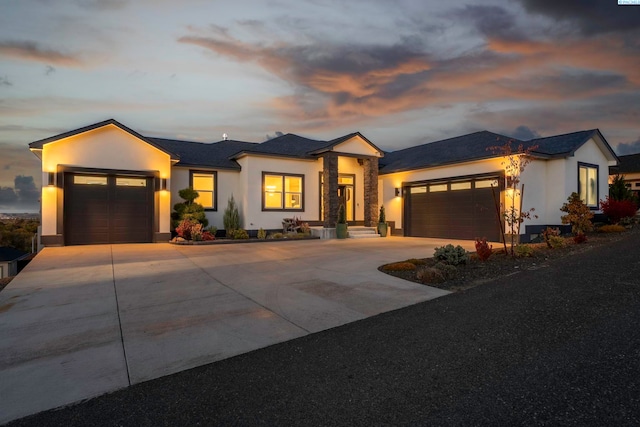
[555,346]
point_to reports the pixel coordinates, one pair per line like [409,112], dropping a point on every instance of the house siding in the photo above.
[106,147]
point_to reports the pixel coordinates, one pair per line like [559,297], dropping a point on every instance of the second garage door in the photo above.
[453,209]
[107,209]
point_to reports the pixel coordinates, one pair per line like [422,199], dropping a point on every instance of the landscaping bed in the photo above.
[476,272]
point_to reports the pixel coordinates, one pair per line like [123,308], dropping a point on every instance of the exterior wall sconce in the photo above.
[509,181]
[51,179]
[398,192]
[161,184]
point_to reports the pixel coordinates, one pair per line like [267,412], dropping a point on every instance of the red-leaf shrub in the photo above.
[580,238]
[207,235]
[615,210]
[483,249]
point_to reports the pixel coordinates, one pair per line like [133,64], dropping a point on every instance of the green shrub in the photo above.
[611,229]
[448,271]
[523,251]
[275,236]
[262,234]
[428,275]
[557,242]
[240,234]
[452,255]
[399,266]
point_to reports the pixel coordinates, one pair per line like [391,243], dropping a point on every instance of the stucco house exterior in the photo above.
[106,183]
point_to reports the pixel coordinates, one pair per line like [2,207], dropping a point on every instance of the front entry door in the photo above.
[345,197]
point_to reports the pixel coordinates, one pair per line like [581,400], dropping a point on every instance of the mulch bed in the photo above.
[477,272]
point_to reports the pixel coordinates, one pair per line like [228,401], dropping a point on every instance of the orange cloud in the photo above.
[30,51]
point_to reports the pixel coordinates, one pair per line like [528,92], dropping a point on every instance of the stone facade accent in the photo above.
[330,189]
[370,191]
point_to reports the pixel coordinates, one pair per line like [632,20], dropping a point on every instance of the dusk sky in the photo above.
[400,72]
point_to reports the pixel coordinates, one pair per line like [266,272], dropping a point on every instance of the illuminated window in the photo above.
[461,186]
[486,183]
[282,192]
[89,180]
[131,182]
[436,188]
[418,190]
[205,184]
[588,184]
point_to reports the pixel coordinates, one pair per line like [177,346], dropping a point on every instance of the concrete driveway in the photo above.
[86,320]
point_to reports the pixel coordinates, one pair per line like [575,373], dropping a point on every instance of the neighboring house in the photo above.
[9,258]
[629,167]
[105,183]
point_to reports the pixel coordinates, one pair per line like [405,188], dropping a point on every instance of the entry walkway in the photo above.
[86,320]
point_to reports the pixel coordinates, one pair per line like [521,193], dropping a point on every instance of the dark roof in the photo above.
[626,164]
[561,145]
[289,145]
[37,145]
[292,145]
[10,254]
[477,146]
[474,146]
[211,155]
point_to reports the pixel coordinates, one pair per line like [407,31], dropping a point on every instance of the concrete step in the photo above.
[362,232]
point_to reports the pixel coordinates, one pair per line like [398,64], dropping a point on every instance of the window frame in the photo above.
[214,197]
[283,176]
[597,168]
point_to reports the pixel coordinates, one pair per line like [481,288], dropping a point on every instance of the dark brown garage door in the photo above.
[107,209]
[453,209]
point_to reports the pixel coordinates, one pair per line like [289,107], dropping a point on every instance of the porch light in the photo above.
[163,184]
[51,179]
[398,192]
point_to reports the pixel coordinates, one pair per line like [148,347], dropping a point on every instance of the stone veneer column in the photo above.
[330,189]
[370,191]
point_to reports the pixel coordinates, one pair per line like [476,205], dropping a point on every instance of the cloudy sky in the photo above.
[400,72]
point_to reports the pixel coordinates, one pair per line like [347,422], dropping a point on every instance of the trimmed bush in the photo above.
[231,217]
[452,255]
[523,251]
[399,266]
[611,229]
[483,249]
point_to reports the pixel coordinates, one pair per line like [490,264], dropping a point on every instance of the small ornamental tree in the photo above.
[618,189]
[231,218]
[188,209]
[578,215]
[515,162]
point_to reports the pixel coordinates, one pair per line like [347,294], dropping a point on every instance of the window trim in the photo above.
[283,175]
[597,168]
[215,186]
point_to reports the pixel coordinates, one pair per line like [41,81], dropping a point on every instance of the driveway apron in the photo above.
[85,320]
